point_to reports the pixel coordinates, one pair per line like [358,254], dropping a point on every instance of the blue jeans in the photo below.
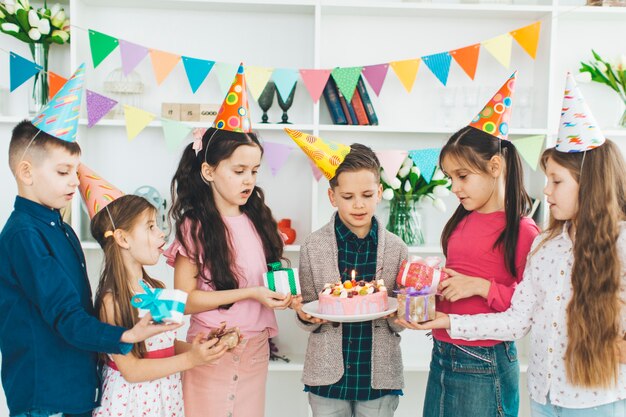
[384,406]
[472,381]
[616,409]
[39,413]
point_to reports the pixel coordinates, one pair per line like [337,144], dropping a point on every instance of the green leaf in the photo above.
[596,56]
[413,178]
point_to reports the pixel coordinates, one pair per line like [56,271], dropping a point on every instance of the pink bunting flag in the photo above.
[315,80]
[316,171]
[97,107]
[276,155]
[391,161]
[375,76]
[132,54]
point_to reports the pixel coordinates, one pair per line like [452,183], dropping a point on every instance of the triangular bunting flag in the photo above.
[285,79]
[21,70]
[97,107]
[528,38]
[226,73]
[467,58]
[317,174]
[346,79]
[162,64]
[426,160]
[174,133]
[275,155]
[101,46]
[439,64]
[391,161]
[55,82]
[315,80]
[375,76]
[530,149]
[257,78]
[500,48]
[136,120]
[406,71]
[197,71]
[132,54]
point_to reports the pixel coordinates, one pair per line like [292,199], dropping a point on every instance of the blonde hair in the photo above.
[593,314]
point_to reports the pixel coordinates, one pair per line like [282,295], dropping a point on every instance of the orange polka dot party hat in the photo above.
[326,155]
[234,115]
[494,117]
[97,193]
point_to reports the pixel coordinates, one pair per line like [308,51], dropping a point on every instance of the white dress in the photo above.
[159,398]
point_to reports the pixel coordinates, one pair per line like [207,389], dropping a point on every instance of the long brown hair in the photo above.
[114,279]
[476,148]
[193,200]
[593,314]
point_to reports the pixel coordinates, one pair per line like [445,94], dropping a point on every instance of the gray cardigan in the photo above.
[323,364]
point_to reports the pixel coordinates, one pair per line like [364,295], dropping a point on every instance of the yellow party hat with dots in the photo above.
[326,155]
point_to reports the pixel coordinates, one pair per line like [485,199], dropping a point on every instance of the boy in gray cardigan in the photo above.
[352,369]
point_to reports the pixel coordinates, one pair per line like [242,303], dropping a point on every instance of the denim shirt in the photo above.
[49,331]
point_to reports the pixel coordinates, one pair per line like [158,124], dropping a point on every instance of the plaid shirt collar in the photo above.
[344,234]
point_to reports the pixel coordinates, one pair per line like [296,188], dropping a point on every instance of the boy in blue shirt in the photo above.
[49,332]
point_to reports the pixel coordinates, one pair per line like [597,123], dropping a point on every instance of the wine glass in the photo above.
[266,99]
[285,105]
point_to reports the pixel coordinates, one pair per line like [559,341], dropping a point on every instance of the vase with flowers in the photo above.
[39,28]
[406,192]
[612,74]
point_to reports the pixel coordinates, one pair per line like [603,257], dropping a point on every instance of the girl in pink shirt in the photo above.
[486,242]
[225,237]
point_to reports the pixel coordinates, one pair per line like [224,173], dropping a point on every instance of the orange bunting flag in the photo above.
[162,64]
[528,38]
[467,58]
[55,82]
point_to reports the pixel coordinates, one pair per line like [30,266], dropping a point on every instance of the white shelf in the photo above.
[423,131]
[275,6]
[591,12]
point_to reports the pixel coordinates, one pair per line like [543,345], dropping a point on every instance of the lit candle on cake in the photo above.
[353,275]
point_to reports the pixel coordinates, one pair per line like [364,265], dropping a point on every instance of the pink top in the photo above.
[470,252]
[249,315]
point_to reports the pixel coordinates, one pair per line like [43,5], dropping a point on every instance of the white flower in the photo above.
[44,26]
[622,63]
[438,175]
[33,19]
[583,77]
[34,34]
[407,186]
[10,27]
[441,191]
[55,9]
[416,171]
[61,34]
[395,183]
[408,162]
[25,4]
[404,171]
[10,6]
[384,177]
[58,19]
[388,194]
[66,25]
[601,66]
[439,205]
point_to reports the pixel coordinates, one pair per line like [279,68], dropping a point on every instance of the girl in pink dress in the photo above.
[225,237]
[146,381]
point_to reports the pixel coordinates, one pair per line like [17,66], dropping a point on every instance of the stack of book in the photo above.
[358,111]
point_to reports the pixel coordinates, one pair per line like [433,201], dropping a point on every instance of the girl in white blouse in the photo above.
[573,295]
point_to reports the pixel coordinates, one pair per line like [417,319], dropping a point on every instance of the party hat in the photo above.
[325,154]
[578,129]
[234,114]
[494,117]
[59,117]
[97,193]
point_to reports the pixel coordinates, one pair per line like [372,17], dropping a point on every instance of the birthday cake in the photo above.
[353,298]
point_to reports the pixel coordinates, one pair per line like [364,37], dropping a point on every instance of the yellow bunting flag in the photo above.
[136,120]
[530,149]
[528,38]
[500,48]
[162,64]
[406,71]
[257,78]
